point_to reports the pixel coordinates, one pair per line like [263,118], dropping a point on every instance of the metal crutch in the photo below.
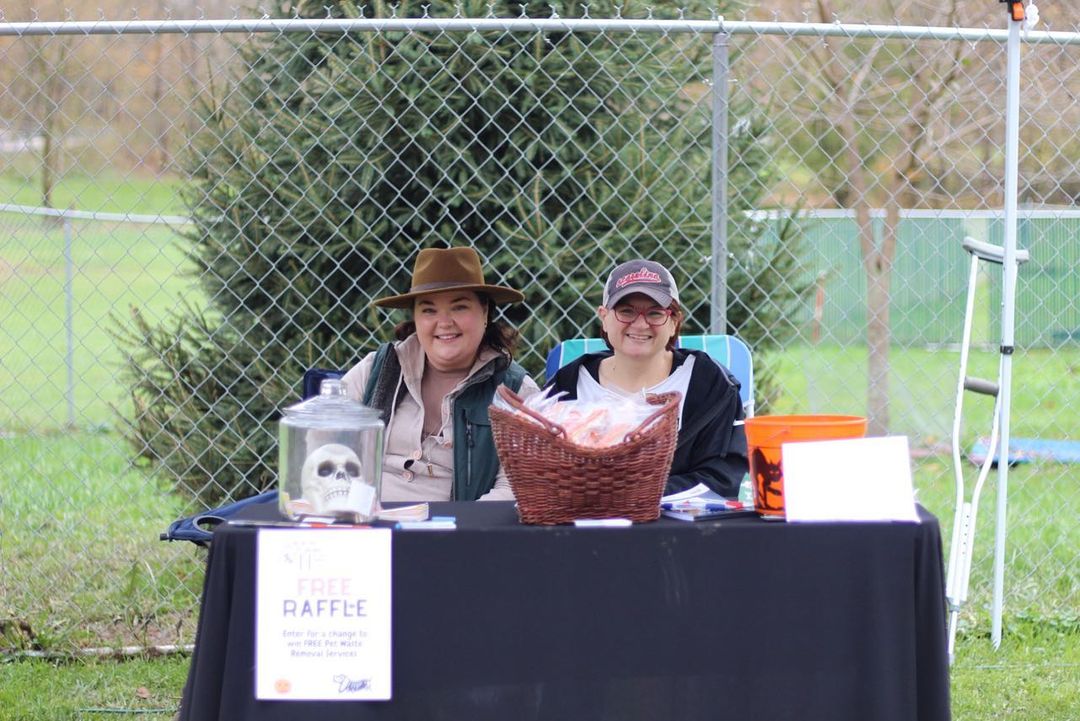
[963,534]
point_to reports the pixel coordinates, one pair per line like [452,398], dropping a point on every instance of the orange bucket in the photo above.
[764,434]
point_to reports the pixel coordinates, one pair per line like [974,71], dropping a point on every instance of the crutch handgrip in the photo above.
[980,385]
[991,253]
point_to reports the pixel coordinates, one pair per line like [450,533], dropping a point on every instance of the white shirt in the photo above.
[589,389]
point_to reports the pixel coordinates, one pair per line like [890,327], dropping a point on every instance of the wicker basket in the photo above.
[558,481]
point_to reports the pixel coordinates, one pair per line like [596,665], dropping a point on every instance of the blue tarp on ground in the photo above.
[1025,450]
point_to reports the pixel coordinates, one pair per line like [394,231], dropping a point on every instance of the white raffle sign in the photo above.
[323,614]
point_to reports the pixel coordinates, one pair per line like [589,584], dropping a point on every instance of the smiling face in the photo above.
[637,339]
[450,326]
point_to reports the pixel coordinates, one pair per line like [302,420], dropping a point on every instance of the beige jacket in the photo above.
[414,468]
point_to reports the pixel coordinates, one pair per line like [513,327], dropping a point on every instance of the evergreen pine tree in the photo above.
[332,159]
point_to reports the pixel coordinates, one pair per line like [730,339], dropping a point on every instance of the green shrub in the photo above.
[331,159]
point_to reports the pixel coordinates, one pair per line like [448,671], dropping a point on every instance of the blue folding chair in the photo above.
[199,527]
[727,350]
[313,378]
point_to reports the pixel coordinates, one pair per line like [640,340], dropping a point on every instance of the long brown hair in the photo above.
[497,334]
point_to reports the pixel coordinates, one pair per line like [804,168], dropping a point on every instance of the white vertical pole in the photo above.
[1008,315]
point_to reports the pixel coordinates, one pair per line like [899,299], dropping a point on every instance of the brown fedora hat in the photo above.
[441,269]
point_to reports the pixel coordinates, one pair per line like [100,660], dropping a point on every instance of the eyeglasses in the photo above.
[653,316]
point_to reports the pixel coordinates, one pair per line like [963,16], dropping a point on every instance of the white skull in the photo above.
[327,476]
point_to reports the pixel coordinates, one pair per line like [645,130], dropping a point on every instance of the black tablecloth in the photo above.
[735,619]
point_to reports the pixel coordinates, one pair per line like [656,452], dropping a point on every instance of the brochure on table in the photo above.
[700,503]
[859,479]
[323,614]
[698,494]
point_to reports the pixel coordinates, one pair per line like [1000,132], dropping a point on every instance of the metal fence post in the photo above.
[1008,317]
[69,322]
[718,266]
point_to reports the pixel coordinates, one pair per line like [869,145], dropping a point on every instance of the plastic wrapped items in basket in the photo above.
[558,481]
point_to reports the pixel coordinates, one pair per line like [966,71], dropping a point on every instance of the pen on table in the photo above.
[685,505]
[435,523]
[603,522]
[725,506]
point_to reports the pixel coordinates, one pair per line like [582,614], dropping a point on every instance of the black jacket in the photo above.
[711,449]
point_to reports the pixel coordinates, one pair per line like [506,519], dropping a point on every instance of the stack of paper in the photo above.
[698,494]
[700,503]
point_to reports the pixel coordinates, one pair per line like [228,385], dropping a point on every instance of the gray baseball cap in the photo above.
[640,276]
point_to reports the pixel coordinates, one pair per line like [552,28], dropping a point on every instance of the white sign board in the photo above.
[857,479]
[323,614]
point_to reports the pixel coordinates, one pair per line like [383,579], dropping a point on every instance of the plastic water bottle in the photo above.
[746,491]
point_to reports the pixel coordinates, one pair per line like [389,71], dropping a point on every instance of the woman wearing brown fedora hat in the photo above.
[433,385]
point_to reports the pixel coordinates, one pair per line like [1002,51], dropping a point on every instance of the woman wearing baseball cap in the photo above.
[434,384]
[640,319]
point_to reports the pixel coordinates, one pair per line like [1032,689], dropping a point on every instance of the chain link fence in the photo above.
[194,211]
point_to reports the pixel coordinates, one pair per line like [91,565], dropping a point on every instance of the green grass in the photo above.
[107,191]
[82,563]
[1034,675]
[116,267]
[145,689]
[1042,573]
[832,379]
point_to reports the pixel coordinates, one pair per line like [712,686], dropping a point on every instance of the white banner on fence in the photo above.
[323,614]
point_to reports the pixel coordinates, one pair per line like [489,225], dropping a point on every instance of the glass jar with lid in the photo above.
[330,457]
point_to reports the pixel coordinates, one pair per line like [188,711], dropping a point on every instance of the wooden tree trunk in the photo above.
[877,262]
[48,164]
[49,74]
[877,259]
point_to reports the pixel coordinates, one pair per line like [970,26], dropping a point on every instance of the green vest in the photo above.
[475,461]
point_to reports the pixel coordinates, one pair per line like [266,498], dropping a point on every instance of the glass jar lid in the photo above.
[332,407]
